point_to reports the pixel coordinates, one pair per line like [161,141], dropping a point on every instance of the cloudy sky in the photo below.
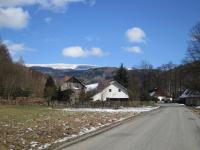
[100,32]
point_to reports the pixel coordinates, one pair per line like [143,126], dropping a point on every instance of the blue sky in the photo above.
[100,32]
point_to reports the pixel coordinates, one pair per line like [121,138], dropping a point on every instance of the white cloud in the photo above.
[96,52]
[58,5]
[136,35]
[48,19]
[14,3]
[74,51]
[91,2]
[12,15]
[16,49]
[134,49]
[77,51]
[15,18]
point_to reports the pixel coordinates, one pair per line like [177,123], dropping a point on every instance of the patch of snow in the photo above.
[129,68]
[33,144]
[65,138]
[91,87]
[29,130]
[198,107]
[63,66]
[23,141]
[45,146]
[75,88]
[135,109]
[82,131]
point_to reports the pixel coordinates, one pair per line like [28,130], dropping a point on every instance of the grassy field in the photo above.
[30,127]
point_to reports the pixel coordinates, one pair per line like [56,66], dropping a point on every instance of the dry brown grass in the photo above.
[22,126]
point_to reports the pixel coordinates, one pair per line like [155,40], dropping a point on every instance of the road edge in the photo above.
[194,110]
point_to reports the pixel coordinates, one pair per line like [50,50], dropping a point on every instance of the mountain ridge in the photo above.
[62,66]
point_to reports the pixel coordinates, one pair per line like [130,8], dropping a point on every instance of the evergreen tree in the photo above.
[134,86]
[50,92]
[122,76]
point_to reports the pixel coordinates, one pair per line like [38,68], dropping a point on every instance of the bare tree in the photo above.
[193,53]
[193,58]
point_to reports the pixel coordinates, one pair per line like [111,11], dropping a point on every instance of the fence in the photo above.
[82,104]
[23,101]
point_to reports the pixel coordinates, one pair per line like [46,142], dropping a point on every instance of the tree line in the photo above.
[16,80]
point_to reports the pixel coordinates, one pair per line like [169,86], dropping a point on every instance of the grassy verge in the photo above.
[30,127]
[195,110]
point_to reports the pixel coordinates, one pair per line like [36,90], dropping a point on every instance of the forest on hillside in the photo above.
[16,80]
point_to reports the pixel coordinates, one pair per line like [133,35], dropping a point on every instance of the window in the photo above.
[119,90]
[110,90]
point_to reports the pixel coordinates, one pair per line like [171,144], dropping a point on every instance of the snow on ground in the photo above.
[45,146]
[92,86]
[198,107]
[135,109]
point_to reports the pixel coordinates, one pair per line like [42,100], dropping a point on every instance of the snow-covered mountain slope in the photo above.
[65,66]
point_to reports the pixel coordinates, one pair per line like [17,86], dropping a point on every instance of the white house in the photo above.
[114,91]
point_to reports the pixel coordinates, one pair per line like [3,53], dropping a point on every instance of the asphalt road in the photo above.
[168,128]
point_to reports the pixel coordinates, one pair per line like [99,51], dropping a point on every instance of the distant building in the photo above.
[158,94]
[113,92]
[74,84]
[190,97]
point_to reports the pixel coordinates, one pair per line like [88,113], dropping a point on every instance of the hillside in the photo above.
[91,75]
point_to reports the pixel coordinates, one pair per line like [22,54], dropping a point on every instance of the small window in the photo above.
[110,90]
[119,90]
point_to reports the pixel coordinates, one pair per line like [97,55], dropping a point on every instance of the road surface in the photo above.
[168,128]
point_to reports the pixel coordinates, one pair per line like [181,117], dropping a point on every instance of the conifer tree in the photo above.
[50,91]
[122,76]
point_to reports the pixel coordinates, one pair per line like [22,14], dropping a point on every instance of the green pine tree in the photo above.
[50,91]
[122,76]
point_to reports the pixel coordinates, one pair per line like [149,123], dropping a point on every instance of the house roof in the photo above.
[73,80]
[157,92]
[66,78]
[114,83]
[190,93]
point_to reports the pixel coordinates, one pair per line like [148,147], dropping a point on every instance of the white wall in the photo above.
[113,94]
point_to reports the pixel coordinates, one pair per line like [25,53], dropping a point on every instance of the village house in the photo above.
[74,84]
[159,94]
[190,97]
[113,92]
